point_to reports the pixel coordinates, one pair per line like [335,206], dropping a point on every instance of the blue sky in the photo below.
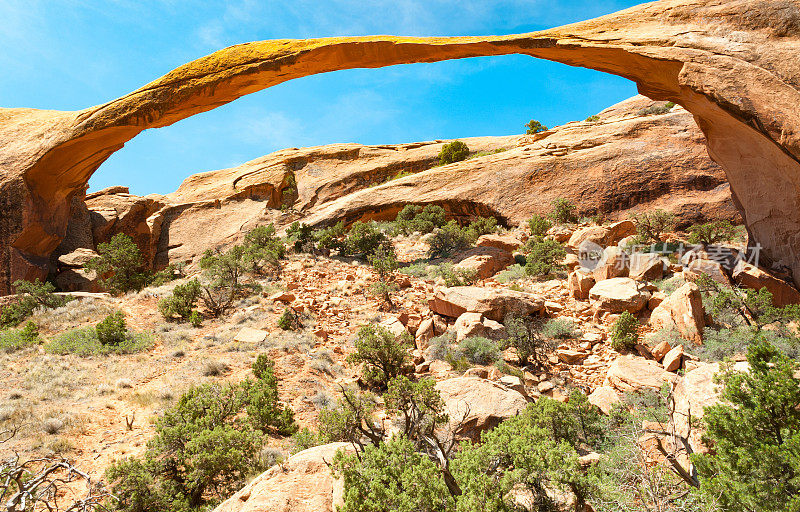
[71,54]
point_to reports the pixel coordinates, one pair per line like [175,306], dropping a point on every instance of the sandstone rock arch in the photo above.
[731,63]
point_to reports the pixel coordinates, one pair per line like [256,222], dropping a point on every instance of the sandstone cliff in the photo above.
[619,163]
[732,64]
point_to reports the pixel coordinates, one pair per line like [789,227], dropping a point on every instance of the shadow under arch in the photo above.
[48,156]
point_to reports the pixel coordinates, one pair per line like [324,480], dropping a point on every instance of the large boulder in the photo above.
[619,294]
[594,234]
[301,483]
[673,360]
[475,324]
[504,241]
[713,269]
[579,284]
[647,266]
[114,211]
[683,312]
[494,304]
[613,263]
[485,261]
[78,280]
[604,398]
[77,258]
[602,235]
[475,405]
[630,373]
[750,276]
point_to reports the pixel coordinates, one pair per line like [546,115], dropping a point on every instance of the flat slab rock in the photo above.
[250,335]
[494,304]
[481,404]
[619,294]
[630,373]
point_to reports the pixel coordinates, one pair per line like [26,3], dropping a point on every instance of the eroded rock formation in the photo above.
[622,162]
[732,64]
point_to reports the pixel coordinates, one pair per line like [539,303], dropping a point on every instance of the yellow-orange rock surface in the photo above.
[732,64]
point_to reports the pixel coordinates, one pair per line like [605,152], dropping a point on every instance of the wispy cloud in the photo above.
[272,130]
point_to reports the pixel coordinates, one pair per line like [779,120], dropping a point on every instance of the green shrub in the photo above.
[456,276]
[656,109]
[563,211]
[391,476]
[712,233]
[331,238]
[419,269]
[351,419]
[84,342]
[289,192]
[535,454]
[301,236]
[383,355]
[483,226]
[625,332]
[732,307]
[305,439]
[31,295]
[414,218]
[539,226]
[455,151]
[512,273]
[181,303]
[543,256]
[593,119]
[196,319]
[534,127]
[440,346]
[12,340]
[419,404]
[523,337]
[112,330]
[264,409]
[289,320]
[670,284]
[479,350]
[754,429]
[651,225]
[167,274]
[364,239]
[451,238]
[263,250]
[560,328]
[204,447]
[725,343]
[120,265]
[384,261]
[223,273]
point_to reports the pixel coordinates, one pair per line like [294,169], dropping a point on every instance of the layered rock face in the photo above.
[662,158]
[622,163]
[731,64]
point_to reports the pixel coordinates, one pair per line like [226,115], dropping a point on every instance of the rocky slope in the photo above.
[620,163]
[731,64]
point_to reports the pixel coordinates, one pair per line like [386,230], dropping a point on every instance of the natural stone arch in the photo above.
[732,64]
